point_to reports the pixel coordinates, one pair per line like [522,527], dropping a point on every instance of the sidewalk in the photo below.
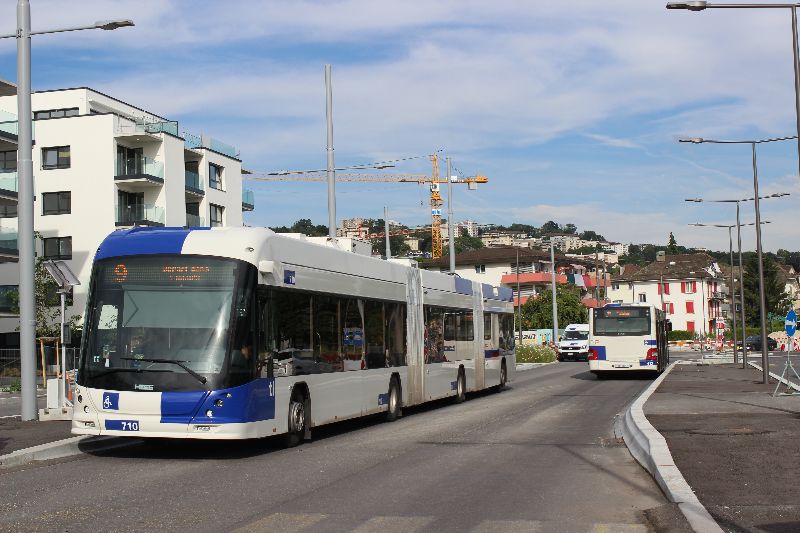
[17,435]
[736,445]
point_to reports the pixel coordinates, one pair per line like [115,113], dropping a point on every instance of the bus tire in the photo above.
[394,401]
[461,386]
[297,420]
[503,376]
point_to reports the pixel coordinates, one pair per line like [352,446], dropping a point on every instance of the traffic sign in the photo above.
[791,323]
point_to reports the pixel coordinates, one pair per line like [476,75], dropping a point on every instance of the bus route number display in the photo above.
[618,312]
[161,272]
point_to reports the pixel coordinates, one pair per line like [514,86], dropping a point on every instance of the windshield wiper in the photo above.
[191,372]
[113,370]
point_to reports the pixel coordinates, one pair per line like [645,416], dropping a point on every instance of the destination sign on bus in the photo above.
[622,312]
[169,271]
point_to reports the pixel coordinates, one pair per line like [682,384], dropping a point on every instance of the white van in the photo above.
[574,344]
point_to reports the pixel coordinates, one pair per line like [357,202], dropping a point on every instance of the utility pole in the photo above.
[27,323]
[553,289]
[519,303]
[451,228]
[386,231]
[331,166]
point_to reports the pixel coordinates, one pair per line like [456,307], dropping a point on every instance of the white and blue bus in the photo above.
[628,337]
[233,333]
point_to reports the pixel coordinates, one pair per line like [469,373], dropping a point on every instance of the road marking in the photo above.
[11,416]
[284,522]
[394,524]
[503,526]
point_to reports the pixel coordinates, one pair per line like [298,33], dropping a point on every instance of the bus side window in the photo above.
[376,348]
[396,334]
[327,350]
[487,326]
[352,333]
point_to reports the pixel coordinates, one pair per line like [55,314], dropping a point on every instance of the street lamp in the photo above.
[27,314]
[756,203]
[733,281]
[700,5]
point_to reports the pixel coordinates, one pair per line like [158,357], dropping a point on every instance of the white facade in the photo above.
[119,166]
[690,304]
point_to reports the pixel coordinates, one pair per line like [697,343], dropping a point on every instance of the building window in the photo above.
[663,287]
[480,269]
[689,287]
[215,176]
[56,113]
[8,161]
[57,248]
[56,203]
[690,308]
[690,325]
[216,215]
[615,286]
[669,308]
[55,157]
[642,298]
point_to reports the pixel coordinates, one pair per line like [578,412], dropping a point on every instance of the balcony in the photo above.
[139,170]
[140,215]
[194,142]
[9,127]
[8,184]
[193,184]
[8,210]
[145,131]
[195,221]
[248,200]
[8,245]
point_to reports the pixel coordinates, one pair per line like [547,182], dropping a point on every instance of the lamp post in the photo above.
[27,314]
[701,5]
[756,203]
[733,281]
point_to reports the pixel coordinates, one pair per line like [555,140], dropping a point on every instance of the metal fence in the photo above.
[10,363]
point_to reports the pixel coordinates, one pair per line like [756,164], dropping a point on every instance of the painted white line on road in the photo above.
[11,416]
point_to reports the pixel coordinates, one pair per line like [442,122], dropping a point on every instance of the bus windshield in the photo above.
[622,321]
[166,323]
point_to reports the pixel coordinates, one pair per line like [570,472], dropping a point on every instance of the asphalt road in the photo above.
[539,456]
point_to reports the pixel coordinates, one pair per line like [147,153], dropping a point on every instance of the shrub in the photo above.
[535,353]
[15,386]
[681,335]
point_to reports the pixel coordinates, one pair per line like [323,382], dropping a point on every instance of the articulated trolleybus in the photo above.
[234,333]
[628,337]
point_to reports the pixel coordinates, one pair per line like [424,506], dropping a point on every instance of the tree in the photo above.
[672,245]
[776,299]
[304,226]
[464,243]
[551,227]
[537,313]
[590,235]
[570,228]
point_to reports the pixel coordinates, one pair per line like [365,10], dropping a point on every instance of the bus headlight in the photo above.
[218,402]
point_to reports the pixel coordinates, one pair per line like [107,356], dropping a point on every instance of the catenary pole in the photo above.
[761,296]
[519,303]
[27,313]
[733,296]
[451,226]
[796,79]
[553,289]
[331,166]
[386,232]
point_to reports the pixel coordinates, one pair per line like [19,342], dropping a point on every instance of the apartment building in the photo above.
[102,164]
[692,288]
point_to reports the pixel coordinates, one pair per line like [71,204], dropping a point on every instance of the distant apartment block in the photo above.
[102,164]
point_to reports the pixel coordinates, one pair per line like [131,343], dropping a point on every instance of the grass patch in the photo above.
[535,353]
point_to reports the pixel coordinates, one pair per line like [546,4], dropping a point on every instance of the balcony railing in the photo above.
[8,180]
[140,215]
[248,200]
[8,210]
[8,240]
[203,141]
[193,180]
[195,221]
[140,167]
[130,127]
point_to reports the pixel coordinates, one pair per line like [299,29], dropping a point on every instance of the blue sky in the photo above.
[571,109]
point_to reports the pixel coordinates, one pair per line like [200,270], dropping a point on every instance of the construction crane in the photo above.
[434,180]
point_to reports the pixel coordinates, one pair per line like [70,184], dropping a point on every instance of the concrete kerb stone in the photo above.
[775,376]
[650,449]
[530,366]
[63,448]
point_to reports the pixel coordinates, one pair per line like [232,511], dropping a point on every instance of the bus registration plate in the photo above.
[621,365]
[122,425]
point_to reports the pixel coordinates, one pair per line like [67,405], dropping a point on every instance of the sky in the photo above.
[571,109]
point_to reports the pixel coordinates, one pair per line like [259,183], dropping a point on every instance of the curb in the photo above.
[775,376]
[650,450]
[521,367]
[62,448]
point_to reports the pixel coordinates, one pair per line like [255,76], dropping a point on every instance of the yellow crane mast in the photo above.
[434,180]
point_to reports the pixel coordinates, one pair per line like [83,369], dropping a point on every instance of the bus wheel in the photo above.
[461,386]
[297,420]
[395,410]
[503,376]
